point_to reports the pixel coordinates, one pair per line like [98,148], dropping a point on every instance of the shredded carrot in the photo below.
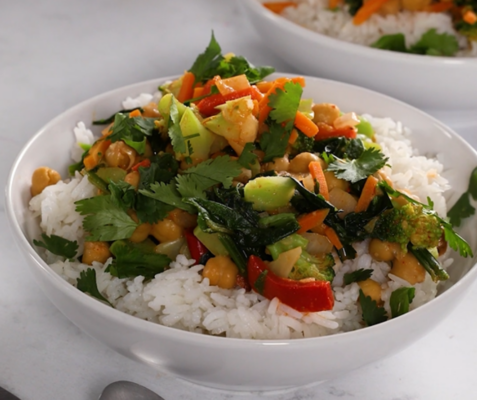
[439,7]
[279,6]
[334,239]
[135,113]
[470,17]
[107,131]
[187,87]
[198,91]
[305,124]
[293,136]
[95,153]
[367,194]
[264,86]
[332,4]
[311,220]
[367,10]
[317,174]
[319,229]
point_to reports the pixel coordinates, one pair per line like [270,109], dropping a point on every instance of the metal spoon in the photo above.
[124,390]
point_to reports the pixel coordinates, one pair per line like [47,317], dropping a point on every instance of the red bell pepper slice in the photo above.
[207,106]
[303,296]
[144,163]
[196,247]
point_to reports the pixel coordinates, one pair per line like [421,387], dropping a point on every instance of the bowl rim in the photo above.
[145,326]
[354,48]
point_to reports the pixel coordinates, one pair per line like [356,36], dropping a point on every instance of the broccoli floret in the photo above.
[308,266]
[408,223]
[302,144]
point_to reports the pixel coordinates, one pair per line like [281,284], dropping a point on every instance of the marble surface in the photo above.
[56,53]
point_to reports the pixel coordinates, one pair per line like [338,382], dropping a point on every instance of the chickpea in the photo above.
[278,164]
[383,251]
[346,120]
[406,267]
[317,244]
[141,233]
[300,163]
[333,182]
[244,176]
[150,110]
[133,179]
[391,7]
[41,178]
[221,271]
[371,288]
[183,218]
[309,183]
[119,154]
[95,251]
[325,112]
[166,231]
[343,200]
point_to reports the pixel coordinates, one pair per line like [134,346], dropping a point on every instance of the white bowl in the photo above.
[239,364]
[437,84]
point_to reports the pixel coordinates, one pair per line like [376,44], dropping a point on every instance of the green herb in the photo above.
[248,158]
[400,300]
[132,131]
[168,194]
[369,162]
[80,164]
[58,245]
[87,284]
[105,219]
[462,208]
[354,6]
[259,284]
[430,264]
[132,260]
[284,104]
[436,44]
[111,118]
[372,313]
[357,276]
[395,42]
[97,181]
[212,63]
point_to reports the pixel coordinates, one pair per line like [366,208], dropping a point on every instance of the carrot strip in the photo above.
[293,136]
[367,10]
[198,92]
[367,194]
[470,17]
[135,113]
[317,174]
[264,86]
[334,239]
[332,4]
[187,87]
[279,6]
[326,131]
[95,153]
[305,124]
[311,220]
[439,7]
[107,131]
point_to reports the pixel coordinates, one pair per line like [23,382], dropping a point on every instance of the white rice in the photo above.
[180,298]
[315,15]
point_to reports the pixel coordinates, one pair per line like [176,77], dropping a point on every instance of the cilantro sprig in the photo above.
[462,208]
[58,245]
[371,312]
[133,131]
[400,300]
[369,162]
[357,276]
[87,284]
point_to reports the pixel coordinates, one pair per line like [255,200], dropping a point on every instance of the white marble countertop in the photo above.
[56,53]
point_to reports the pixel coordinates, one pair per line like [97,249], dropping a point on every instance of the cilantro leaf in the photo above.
[131,260]
[168,194]
[105,219]
[162,169]
[372,313]
[150,209]
[132,130]
[110,119]
[58,245]
[206,61]
[370,161]
[248,158]
[436,44]
[395,42]
[87,284]
[274,142]
[284,103]
[175,131]
[400,300]
[357,276]
[460,210]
